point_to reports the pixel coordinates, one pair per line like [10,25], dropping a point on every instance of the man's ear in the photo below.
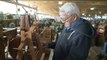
[75,17]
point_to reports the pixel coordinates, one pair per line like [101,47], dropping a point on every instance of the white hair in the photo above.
[71,8]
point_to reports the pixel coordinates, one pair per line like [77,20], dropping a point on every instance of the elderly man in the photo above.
[75,40]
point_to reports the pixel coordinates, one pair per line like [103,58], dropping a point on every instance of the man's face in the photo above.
[64,17]
[62,14]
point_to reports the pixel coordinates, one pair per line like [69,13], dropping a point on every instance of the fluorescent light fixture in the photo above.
[99,17]
[60,2]
[99,12]
[95,14]
[92,8]
[89,15]
[105,14]
[83,13]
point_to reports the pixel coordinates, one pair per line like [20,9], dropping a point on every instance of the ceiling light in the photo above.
[99,12]
[105,14]
[83,13]
[60,2]
[92,8]
[89,15]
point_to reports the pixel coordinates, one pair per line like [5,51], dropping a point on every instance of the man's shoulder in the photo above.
[85,24]
[86,28]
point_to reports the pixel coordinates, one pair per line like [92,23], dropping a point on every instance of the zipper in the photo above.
[70,35]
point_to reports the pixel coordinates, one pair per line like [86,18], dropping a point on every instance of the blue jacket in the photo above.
[74,43]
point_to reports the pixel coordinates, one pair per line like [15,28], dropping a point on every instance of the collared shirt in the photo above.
[75,24]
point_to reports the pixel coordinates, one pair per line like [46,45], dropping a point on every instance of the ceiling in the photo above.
[51,7]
